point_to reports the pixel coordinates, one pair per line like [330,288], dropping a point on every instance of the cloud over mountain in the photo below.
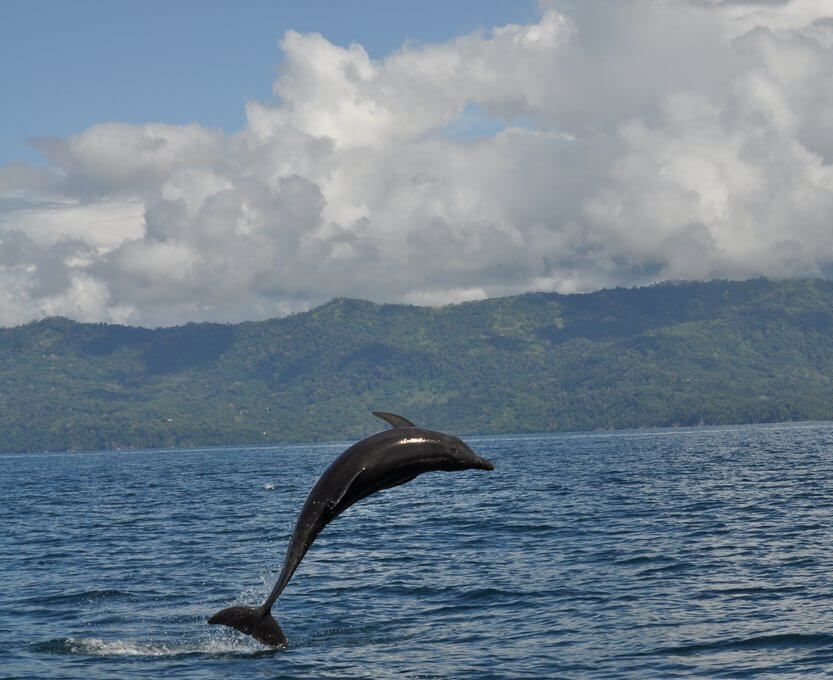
[606,144]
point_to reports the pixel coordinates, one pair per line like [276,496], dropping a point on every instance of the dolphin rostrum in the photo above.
[381,461]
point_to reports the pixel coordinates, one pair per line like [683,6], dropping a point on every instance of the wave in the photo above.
[672,568]
[93,595]
[758,642]
[88,646]
[752,592]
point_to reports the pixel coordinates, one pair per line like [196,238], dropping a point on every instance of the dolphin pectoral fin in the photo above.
[393,419]
[340,503]
[252,621]
[350,495]
[346,498]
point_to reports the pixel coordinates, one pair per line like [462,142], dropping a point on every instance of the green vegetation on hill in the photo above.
[688,353]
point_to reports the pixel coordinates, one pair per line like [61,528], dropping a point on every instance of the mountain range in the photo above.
[670,354]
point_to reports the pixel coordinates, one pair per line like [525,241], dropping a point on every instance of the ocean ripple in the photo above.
[692,553]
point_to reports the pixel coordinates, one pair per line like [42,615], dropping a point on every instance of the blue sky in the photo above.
[70,64]
[207,161]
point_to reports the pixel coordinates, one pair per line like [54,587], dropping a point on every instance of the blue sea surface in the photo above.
[702,552]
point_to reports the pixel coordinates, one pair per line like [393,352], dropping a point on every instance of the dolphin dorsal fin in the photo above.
[393,419]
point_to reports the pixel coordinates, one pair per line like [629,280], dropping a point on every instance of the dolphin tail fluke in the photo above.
[253,621]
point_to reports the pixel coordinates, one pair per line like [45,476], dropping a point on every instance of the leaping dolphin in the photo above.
[381,461]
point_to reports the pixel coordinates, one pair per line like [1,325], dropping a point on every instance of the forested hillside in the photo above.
[717,352]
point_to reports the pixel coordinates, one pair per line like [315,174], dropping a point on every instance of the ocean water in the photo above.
[654,554]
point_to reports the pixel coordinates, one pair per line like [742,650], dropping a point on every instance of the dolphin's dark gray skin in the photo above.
[381,461]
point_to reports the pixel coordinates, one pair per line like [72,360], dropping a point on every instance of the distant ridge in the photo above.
[669,354]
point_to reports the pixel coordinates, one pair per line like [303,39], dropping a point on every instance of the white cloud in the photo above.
[111,158]
[102,225]
[436,298]
[629,142]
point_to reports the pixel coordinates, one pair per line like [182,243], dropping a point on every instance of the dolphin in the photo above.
[381,461]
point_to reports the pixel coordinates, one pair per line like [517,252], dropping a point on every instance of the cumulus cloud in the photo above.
[605,144]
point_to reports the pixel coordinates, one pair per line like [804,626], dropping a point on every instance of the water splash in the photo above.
[91,646]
